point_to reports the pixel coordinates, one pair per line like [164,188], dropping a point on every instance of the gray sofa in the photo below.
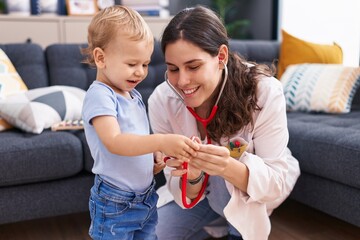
[50,174]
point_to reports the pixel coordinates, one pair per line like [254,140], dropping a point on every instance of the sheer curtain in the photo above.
[324,22]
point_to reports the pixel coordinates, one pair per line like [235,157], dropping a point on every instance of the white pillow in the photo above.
[38,109]
[326,88]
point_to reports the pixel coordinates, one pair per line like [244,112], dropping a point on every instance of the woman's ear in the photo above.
[99,57]
[223,54]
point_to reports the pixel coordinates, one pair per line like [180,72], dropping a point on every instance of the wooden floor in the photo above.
[291,221]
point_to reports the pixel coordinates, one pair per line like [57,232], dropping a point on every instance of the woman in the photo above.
[243,186]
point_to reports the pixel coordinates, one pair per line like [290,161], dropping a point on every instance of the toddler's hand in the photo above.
[179,146]
[159,163]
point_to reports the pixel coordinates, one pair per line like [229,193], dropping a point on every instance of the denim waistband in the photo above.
[116,194]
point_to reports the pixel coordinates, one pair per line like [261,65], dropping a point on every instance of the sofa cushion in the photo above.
[29,158]
[88,160]
[294,50]
[327,145]
[66,67]
[320,87]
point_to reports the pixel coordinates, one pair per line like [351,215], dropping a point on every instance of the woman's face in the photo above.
[193,72]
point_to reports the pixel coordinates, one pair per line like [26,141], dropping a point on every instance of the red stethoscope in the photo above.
[204,123]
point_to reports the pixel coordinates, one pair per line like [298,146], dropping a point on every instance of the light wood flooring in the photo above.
[291,221]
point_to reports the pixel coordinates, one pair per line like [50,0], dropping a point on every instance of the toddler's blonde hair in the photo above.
[106,23]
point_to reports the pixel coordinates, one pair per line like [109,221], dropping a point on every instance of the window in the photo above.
[324,22]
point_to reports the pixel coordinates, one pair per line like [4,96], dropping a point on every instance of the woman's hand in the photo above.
[214,160]
[178,166]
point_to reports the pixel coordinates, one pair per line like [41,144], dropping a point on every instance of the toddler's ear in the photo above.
[99,57]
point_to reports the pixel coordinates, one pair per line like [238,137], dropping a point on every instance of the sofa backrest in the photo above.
[62,64]
[260,51]
[66,68]
[29,61]
[356,101]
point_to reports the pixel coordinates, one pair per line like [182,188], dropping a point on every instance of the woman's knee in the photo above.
[177,223]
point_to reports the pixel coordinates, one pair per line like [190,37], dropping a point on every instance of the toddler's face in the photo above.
[126,63]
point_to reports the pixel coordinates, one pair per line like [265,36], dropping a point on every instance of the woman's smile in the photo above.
[188,92]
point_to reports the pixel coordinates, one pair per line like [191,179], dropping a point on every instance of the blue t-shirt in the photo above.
[128,173]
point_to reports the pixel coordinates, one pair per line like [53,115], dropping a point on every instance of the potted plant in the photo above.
[237,28]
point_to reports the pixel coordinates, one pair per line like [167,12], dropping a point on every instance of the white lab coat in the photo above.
[273,170]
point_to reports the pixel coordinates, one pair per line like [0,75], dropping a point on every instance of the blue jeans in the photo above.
[122,215]
[176,223]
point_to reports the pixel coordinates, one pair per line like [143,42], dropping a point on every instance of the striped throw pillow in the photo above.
[326,88]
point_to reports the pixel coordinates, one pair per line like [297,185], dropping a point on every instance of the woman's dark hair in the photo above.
[203,28]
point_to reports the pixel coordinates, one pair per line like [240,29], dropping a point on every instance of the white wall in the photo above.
[324,22]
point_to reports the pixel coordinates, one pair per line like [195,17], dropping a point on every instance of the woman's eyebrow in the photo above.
[188,62]
[168,63]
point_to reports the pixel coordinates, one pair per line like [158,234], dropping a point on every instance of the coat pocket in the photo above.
[237,146]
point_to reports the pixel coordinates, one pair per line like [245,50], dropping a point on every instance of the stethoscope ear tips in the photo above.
[222,63]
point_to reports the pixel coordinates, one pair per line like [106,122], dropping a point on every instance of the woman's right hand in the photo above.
[179,169]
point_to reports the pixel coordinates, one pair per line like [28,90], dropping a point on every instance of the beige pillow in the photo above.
[326,88]
[10,83]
